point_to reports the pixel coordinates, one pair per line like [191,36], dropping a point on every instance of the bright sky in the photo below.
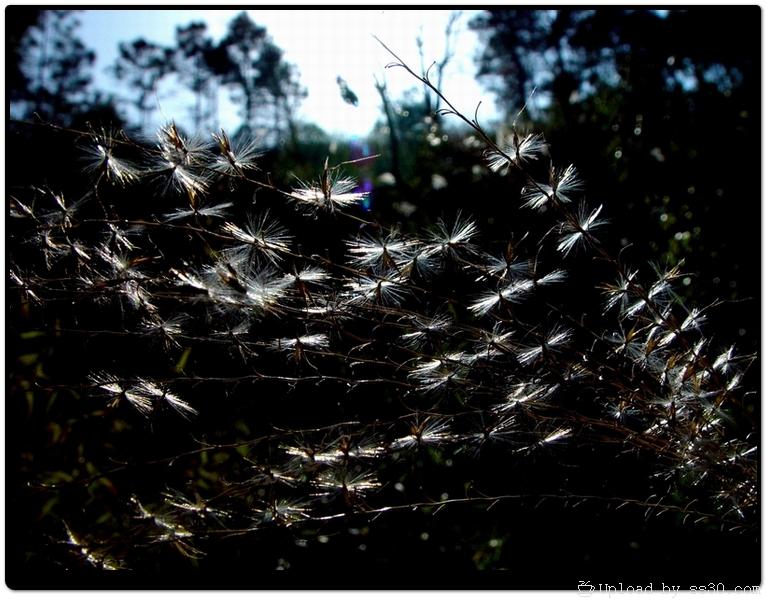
[323,44]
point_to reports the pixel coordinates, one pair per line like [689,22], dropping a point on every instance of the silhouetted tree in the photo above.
[142,65]
[243,43]
[52,78]
[192,63]
[513,41]
[279,88]
[254,67]
[19,21]
[632,95]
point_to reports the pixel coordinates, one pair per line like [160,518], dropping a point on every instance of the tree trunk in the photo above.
[393,139]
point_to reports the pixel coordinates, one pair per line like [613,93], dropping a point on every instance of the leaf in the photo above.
[181,364]
[48,506]
[29,359]
[29,335]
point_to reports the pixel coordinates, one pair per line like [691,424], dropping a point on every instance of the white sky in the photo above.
[323,44]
